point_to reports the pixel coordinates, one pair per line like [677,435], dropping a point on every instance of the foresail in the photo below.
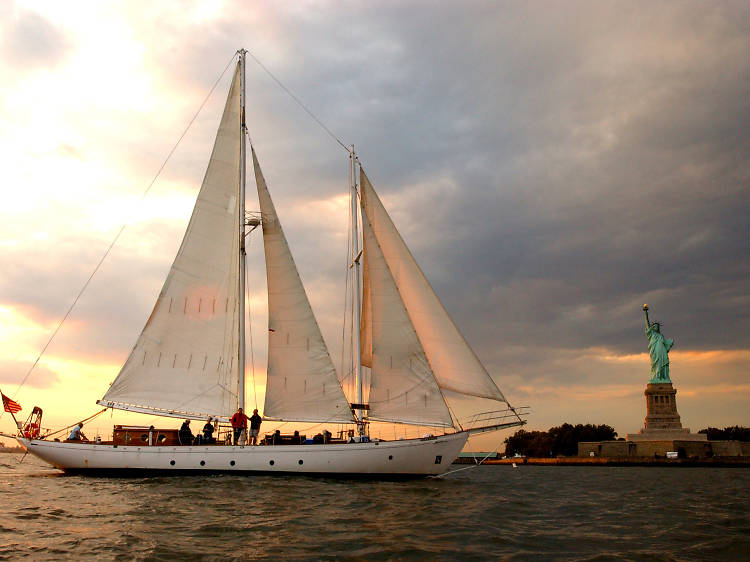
[453,362]
[185,361]
[402,386]
[302,384]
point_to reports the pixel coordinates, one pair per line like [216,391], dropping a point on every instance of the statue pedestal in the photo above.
[662,420]
[661,407]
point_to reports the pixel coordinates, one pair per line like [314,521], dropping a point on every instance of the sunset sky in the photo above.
[552,165]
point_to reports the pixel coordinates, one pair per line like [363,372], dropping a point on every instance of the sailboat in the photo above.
[189,360]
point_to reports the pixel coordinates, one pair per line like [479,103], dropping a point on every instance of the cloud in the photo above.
[13,372]
[552,170]
[30,41]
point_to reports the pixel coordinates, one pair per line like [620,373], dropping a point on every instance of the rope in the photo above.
[122,229]
[470,466]
[75,424]
[297,100]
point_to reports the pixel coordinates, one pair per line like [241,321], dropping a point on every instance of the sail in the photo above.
[365,334]
[453,362]
[402,386]
[185,361]
[302,384]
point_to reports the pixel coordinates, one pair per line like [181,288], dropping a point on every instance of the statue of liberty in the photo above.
[658,348]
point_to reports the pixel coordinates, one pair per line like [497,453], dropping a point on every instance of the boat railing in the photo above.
[508,417]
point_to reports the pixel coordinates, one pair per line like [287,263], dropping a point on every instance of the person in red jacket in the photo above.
[239,422]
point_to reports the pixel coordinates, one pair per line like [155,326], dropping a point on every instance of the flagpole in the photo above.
[7,409]
[18,425]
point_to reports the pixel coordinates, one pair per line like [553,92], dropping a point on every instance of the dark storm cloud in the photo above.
[572,166]
[552,167]
[552,170]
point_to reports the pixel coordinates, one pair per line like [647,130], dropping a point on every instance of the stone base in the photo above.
[661,408]
[662,420]
[682,434]
[685,448]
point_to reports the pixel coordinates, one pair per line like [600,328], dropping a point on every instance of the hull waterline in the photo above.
[413,457]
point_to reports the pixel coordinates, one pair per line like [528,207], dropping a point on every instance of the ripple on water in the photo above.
[490,512]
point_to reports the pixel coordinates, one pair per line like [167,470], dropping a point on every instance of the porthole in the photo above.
[203,463]
[171,462]
[231,463]
[300,461]
[144,437]
[390,457]
[162,438]
[270,462]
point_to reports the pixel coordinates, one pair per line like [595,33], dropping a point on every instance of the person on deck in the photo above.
[185,435]
[239,423]
[255,421]
[208,433]
[276,439]
[77,434]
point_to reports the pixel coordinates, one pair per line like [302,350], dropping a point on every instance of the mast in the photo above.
[241,284]
[356,254]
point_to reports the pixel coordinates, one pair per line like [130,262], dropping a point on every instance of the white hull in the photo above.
[415,457]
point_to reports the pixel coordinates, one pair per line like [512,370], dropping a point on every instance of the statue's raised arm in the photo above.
[658,348]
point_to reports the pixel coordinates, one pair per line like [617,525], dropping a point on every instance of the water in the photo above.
[492,512]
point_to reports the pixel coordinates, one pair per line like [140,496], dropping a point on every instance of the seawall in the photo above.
[614,461]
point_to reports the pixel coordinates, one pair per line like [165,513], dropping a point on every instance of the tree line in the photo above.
[734,433]
[563,440]
[558,440]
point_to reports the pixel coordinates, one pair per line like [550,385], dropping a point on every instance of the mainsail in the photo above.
[185,361]
[302,384]
[452,362]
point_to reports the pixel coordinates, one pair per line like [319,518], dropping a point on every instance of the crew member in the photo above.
[255,421]
[208,432]
[186,436]
[77,434]
[239,423]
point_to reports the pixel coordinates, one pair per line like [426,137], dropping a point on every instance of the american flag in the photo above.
[10,405]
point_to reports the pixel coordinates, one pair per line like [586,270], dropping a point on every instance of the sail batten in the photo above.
[454,364]
[185,359]
[302,384]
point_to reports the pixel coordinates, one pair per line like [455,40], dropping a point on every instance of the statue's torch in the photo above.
[645,311]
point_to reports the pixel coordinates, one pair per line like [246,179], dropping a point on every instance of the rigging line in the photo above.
[468,467]
[84,420]
[122,229]
[296,99]
[344,374]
